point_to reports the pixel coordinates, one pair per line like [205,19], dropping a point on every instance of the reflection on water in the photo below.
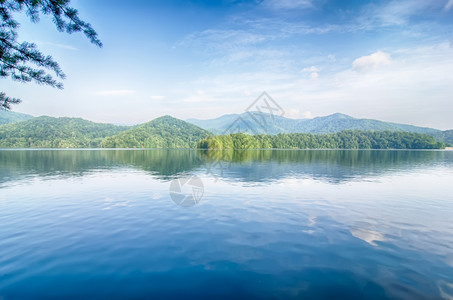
[163,163]
[369,236]
[270,225]
[334,166]
[252,166]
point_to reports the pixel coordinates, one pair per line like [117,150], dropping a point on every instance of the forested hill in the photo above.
[163,132]
[348,139]
[7,116]
[169,132]
[49,132]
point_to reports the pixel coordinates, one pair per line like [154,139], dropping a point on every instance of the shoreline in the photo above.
[232,149]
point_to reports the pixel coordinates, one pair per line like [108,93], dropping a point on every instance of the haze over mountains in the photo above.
[261,123]
[7,116]
[24,131]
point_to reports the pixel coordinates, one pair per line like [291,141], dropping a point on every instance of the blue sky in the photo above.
[388,60]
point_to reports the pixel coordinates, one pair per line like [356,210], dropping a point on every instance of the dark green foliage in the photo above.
[48,132]
[348,139]
[7,116]
[5,102]
[163,132]
[168,132]
[17,58]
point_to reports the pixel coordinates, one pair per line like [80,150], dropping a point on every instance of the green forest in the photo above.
[48,132]
[348,139]
[169,132]
[163,132]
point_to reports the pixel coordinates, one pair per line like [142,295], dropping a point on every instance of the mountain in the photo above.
[169,132]
[444,136]
[217,125]
[49,132]
[163,132]
[7,116]
[261,123]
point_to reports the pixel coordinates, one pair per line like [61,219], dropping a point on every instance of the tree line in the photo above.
[348,139]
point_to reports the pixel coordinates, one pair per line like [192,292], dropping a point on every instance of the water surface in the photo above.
[270,225]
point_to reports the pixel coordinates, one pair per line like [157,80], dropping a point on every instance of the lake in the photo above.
[174,224]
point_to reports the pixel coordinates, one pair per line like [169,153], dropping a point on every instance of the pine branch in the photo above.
[5,102]
[27,74]
[29,53]
[15,57]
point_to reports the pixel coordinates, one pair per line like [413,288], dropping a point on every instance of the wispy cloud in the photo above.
[116,93]
[449,5]
[62,46]
[221,39]
[157,97]
[243,32]
[310,69]
[287,4]
[415,81]
[398,12]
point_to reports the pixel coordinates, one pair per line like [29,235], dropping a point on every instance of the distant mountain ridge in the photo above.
[169,132]
[253,124]
[7,116]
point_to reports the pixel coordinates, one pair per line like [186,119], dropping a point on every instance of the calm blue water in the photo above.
[270,225]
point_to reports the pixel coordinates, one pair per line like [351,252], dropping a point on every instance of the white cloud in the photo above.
[371,62]
[414,87]
[314,72]
[157,97]
[307,115]
[295,113]
[310,69]
[314,75]
[449,5]
[116,93]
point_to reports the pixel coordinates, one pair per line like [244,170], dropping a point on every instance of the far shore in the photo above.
[236,149]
